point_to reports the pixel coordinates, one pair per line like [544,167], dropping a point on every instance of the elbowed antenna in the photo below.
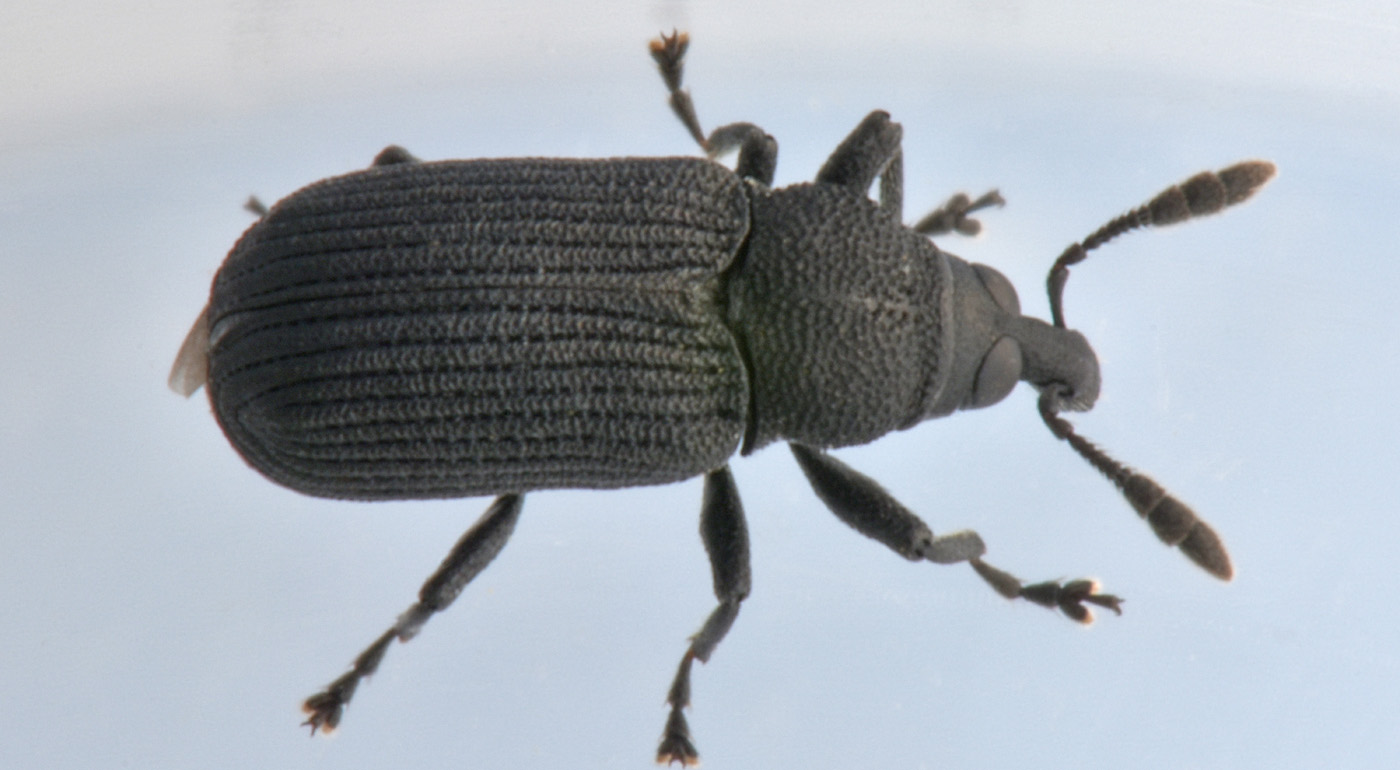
[1173,521]
[1205,193]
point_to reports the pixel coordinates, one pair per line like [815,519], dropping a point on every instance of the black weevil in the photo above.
[494,327]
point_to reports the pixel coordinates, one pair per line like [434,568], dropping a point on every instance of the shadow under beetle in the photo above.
[459,328]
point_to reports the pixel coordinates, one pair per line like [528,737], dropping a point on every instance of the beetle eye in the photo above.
[999,373]
[1003,293]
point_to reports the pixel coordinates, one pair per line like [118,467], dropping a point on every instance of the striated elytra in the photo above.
[494,327]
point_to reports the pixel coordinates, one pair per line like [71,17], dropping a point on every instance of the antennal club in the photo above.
[1173,521]
[1205,193]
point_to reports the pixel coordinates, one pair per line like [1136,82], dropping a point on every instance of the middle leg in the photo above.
[758,151]
[726,538]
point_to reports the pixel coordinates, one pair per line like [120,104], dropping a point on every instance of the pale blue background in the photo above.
[165,607]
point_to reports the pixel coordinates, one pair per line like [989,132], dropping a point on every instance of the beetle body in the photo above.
[459,328]
[448,329]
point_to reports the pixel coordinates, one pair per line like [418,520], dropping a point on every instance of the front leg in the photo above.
[871,150]
[953,215]
[863,504]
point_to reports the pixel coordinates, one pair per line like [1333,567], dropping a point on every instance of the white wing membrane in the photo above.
[191,367]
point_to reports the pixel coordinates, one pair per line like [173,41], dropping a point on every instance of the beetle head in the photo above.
[991,347]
